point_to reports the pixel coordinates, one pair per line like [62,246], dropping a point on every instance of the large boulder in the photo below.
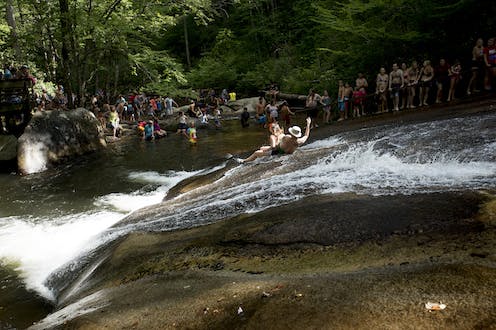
[8,147]
[53,136]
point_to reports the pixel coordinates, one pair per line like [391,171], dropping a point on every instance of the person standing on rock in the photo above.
[286,114]
[490,62]
[341,100]
[382,83]
[260,111]
[396,83]
[426,77]
[114,120]
[169,102]
[312,105]
[282,144]
[477,65]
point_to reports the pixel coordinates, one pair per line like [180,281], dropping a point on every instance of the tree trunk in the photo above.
[66,32]
[186,41]
[10,17]
[116,81]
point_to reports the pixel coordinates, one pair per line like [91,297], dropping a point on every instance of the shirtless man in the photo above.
[381,89]
[282,144]
[396,83]
[348,93]
[260,111]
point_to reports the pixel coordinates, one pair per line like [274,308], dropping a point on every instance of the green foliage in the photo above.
[119,45]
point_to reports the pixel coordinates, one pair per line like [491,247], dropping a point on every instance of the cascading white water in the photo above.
[447,155]
[37,246]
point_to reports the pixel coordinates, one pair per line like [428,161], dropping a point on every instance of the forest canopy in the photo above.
[177,47]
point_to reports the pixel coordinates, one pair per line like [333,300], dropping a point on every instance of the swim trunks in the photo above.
[396,89]
[277,151]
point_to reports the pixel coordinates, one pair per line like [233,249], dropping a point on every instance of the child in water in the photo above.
[191,133]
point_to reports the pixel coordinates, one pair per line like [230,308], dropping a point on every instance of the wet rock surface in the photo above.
[335,261]
[340,261]
[53,136]
[8,147]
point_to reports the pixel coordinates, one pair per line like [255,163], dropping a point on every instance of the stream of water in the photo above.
[49,219]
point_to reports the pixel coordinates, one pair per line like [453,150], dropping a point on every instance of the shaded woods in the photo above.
[180,46]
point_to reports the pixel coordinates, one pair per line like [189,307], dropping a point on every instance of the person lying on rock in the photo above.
[282,144]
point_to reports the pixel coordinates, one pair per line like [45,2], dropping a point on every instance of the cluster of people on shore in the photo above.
[12,72]
[403,87]
[146,111]
[411,86]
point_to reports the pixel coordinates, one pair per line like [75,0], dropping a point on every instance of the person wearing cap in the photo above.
[284,144]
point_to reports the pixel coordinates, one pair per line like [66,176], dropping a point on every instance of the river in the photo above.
[49,219]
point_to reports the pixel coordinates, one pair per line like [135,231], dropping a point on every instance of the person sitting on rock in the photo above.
[157,131]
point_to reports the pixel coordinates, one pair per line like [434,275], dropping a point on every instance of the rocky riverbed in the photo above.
[337,261]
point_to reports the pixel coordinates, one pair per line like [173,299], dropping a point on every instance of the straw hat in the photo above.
[295,131]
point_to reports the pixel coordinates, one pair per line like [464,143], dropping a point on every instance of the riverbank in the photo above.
[333,261]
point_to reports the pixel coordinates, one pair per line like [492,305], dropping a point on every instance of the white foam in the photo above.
[139,199]
[35,158]
[38,246]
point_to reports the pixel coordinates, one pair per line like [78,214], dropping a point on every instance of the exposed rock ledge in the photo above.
[53,136]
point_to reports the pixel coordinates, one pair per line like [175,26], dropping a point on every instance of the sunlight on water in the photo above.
[37,247]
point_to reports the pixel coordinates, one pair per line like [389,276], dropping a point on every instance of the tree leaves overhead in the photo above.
[169,45]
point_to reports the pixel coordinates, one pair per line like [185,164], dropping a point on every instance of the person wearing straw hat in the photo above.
[287,143]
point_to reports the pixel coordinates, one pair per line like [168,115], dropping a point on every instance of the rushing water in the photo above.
[48,219]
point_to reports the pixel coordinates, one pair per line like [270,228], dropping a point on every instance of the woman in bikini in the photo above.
[426,76]
[477,65]
[455,76]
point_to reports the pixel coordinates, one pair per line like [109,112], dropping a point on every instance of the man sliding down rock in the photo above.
[284,144]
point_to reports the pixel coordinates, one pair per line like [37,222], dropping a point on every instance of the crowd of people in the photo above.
[405,86]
